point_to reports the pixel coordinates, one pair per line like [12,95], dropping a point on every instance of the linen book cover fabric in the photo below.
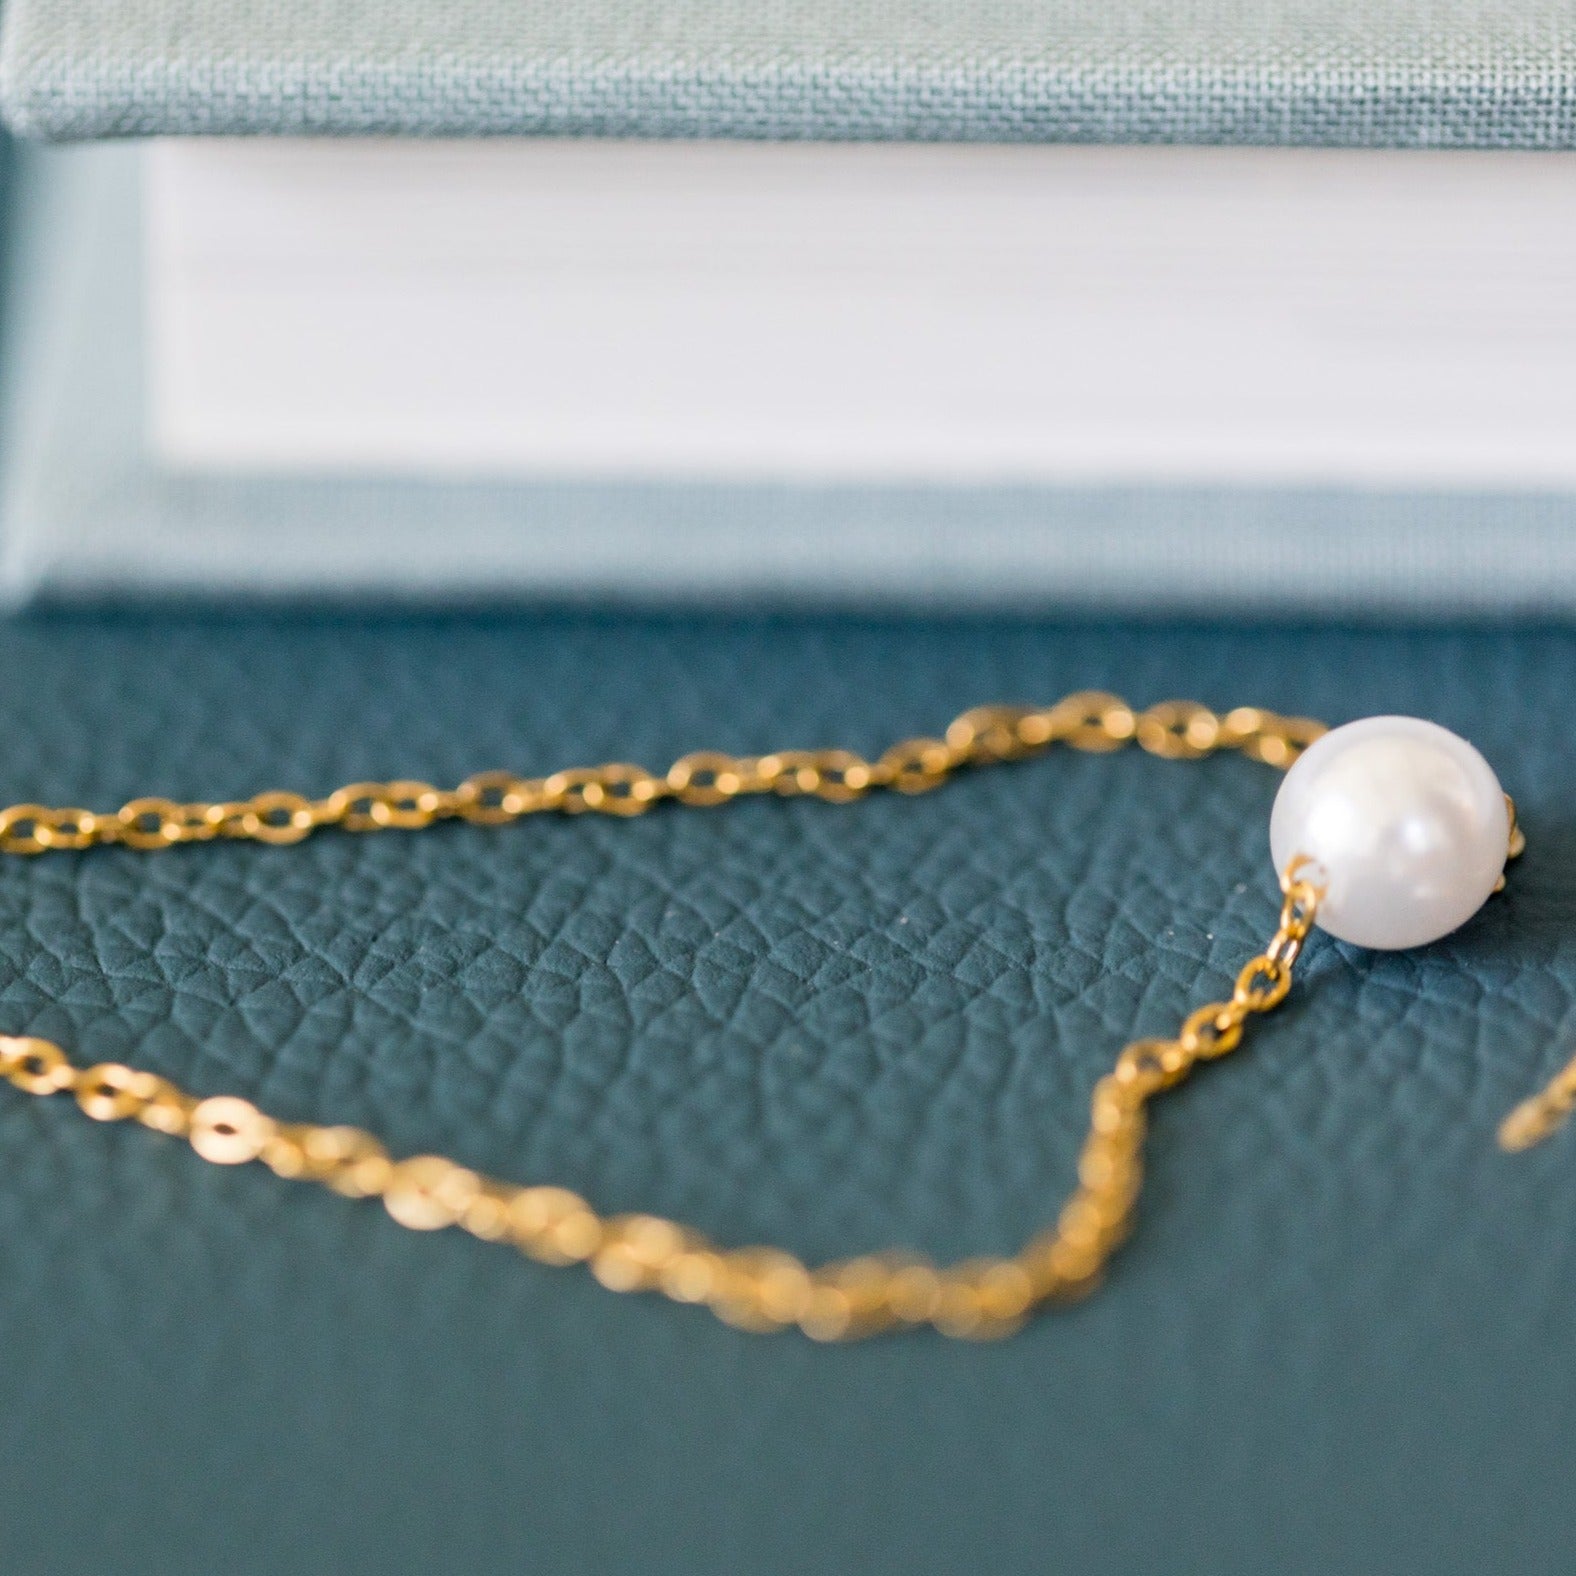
[1340,1340]
[1460,73]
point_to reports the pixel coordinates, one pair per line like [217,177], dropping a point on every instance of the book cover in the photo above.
[1454,73]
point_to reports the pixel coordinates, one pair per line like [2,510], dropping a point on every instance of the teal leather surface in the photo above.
[1341,1339]
[86,511]
[1473,73]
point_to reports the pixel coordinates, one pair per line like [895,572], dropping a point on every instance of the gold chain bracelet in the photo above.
[754,1288]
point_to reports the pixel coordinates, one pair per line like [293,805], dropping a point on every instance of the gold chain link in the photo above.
[754,1288]
[1090,721]
[1543,1115]
[757,1288]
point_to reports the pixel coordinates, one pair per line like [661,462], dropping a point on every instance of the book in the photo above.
[956,358]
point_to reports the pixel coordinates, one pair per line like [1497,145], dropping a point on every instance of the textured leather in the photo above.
[1341,1339]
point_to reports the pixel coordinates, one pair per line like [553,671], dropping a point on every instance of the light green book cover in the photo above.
[1452,73]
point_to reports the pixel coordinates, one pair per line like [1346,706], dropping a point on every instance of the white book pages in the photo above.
[859,313]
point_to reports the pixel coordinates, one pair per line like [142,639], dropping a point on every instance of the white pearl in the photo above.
[1408,823]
